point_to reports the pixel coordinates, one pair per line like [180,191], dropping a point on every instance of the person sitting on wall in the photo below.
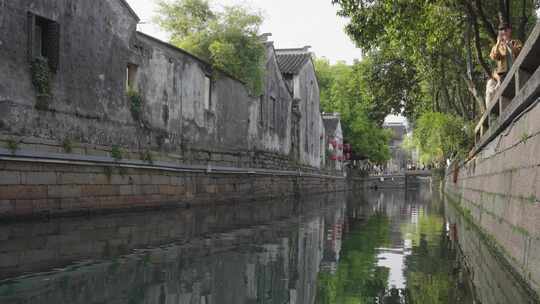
[505,51]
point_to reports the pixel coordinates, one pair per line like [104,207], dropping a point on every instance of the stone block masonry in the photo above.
[39,188]
[500,190]
[498,187]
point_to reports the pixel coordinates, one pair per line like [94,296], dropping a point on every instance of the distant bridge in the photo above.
[405,179]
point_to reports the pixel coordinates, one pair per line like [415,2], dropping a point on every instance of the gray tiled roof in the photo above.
[290,61]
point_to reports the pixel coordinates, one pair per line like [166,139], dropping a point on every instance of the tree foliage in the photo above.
[358,278]
[344,89]
[228,38]
[440,46]
[439,136]
[429,263]
[431,56]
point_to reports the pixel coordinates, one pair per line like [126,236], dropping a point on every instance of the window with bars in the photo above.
[261,110]
[44,40]
[207,93]
[273,109]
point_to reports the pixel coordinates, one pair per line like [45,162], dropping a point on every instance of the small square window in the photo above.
[44,39]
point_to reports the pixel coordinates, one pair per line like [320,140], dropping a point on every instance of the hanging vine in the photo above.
[41,79]
[135,106]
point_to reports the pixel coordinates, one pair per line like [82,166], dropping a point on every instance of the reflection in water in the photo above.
[397,250]
[375,247]
[494,279]
[264,252]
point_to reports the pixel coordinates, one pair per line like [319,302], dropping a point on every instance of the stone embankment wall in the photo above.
[484,263]
[498,187]
[49,188]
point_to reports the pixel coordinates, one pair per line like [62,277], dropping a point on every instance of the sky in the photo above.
[293,23]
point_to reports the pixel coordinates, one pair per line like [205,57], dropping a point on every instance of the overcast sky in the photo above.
[293,23]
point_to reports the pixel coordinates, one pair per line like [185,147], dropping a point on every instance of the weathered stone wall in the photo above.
[273,112]
[306,89]
[89,108]
[88,89]
[500,189]
[89,125]
[495,281]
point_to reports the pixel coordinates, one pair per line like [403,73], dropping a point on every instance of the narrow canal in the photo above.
[374,247]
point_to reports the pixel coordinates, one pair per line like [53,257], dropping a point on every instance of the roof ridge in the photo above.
[304,49]
[130,9]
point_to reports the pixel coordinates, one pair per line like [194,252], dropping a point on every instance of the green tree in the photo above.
[431,57]
[358,278]
[439,136]
[440,46]
[345,89]
[228,38]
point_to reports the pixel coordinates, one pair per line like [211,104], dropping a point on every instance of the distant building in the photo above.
[400,158]
[298,71]
[334,141]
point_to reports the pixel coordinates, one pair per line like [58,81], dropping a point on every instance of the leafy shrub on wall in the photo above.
[41,79]
[135,104]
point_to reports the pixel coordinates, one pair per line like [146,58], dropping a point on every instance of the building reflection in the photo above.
[372,247]
[270,252]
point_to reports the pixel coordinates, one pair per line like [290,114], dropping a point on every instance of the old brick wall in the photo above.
[500,190]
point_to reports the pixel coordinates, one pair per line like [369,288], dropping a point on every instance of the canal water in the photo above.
[387,246]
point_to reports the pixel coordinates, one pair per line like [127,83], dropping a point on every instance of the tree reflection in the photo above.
[358,279]
[430,267]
